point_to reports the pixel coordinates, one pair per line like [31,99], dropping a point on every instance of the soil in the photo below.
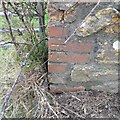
[89,104]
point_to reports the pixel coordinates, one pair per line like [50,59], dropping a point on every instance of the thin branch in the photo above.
[20,17]
[8,21]
[33,7]
[75,113]
[82,22]
[4,43]
[41,16]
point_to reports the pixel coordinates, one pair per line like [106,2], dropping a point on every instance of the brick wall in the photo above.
[83,62]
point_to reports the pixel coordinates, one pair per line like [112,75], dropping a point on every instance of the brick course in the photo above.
[57,31]
[57,79]
[70,46]
[61,55]
[68,57]
[57,68]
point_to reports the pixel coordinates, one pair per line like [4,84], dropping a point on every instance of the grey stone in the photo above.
[79,75]
[108,86]
[96,77]
[94,72]
[61,6]
[70,19]
[93,24]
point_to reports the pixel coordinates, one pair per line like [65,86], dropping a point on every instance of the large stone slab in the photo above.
[97,77]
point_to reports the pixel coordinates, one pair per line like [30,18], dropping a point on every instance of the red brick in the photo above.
[56,31]
[57,68]
[68,57]
[57,79]
[70,46]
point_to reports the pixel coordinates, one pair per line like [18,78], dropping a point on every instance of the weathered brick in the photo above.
[70,46]
[57,68]
[57,79]
[68,57]
[57,31]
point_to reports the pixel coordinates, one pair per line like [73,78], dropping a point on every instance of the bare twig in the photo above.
[82,22]
[4,43]
[20,17]
[75,113]
[76,98]
[8,21]
[41,16]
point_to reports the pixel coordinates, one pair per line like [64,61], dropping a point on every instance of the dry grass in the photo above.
[8,70]
[30,98]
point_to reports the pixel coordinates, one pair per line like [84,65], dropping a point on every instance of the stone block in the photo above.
[83,73]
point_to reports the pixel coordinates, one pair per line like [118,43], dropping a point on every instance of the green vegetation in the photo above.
[39,55]
[16,23]
[22,101]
